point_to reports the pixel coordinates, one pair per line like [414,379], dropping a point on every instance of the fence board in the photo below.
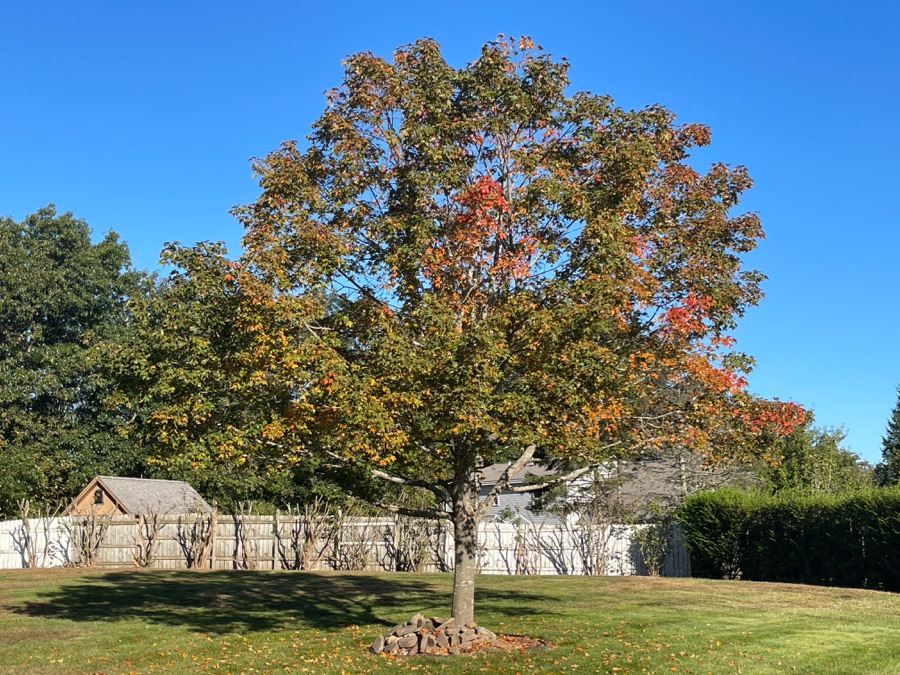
[51,542]
[375,544]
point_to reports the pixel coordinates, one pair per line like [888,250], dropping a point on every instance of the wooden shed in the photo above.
[115,496]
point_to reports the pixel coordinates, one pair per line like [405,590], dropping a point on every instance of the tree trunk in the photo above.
[465,531]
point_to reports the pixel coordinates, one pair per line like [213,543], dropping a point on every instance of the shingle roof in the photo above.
[491,473]
[145,495]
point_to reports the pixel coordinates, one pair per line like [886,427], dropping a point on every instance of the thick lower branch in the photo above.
[572,475]
[439,491]
[558,480]
[503,480]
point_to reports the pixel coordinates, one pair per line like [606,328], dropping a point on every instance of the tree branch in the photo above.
[439,490]
[503,480]
[572,475]
[559,480]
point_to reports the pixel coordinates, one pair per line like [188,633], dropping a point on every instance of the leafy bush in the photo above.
[848,540]
[715,526]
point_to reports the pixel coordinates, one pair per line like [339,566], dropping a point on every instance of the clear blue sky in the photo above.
[142,118]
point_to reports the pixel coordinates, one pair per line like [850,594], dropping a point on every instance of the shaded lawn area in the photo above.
[75,621]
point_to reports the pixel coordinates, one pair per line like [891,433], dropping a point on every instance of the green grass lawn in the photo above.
[73,621]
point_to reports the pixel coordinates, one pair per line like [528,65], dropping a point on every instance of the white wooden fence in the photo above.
[49,543]
[252,542]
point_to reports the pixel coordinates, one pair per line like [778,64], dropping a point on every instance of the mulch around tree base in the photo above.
[508,643]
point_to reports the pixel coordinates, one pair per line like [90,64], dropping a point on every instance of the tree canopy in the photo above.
[207,367]
[470,265]
[813,459]
[62,298]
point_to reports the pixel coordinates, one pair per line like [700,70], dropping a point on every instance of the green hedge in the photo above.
[848,540]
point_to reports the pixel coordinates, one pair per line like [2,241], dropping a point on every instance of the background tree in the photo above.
[887,471]
[468,266]
[199,396]
[61,298]
[813,460]
[212,390]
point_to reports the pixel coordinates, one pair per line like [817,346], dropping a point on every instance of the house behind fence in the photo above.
[294,542]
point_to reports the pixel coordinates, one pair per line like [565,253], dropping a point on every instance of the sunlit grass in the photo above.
[70,621]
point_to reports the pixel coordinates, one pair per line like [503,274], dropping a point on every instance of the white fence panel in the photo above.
[375,544]
[507,548]
[47,538]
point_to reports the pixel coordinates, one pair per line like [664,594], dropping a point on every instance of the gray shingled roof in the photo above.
[140,496]
[635,486]
[491,473]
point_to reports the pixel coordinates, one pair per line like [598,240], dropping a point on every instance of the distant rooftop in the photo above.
[145,495]
[492,473]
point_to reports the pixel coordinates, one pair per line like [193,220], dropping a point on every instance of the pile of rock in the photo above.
[432,635]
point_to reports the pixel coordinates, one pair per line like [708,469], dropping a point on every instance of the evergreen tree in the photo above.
[888,470]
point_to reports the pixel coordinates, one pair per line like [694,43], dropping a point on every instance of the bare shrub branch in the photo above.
[196,537]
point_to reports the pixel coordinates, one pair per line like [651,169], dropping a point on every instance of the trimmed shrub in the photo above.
[715,530]
[850,540]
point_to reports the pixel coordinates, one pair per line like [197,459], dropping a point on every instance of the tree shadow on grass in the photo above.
[237,601]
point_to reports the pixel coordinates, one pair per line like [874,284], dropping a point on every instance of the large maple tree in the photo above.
[471,265]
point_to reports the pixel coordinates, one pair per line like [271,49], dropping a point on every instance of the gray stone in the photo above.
[428,625]
[393,631]
[391,647]
[418,620]
[437,620]
[442,640]
[408,641]
[454,639]
[485,633]
[378,645]
[445,625]
[468,636]
[406,629]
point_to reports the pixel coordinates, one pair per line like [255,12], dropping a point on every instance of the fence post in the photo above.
[214,527]
[139,539]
